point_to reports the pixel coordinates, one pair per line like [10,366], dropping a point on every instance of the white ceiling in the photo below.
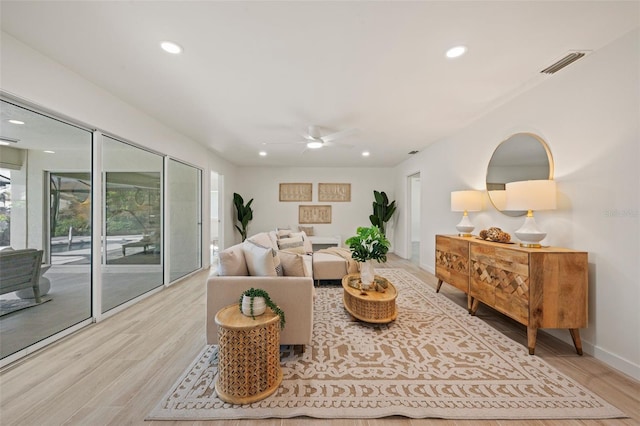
[254,72]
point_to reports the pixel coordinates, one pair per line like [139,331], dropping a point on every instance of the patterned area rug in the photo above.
[434,361]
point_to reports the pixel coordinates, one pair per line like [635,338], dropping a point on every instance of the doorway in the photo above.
[414,219]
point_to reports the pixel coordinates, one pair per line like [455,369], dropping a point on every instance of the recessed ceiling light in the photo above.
[49,152]
[314,145]
[171,47]
[16,122]
[365,153]
[263,153]
[457,51]
[3,143]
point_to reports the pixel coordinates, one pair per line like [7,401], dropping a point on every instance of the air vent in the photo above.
[567,60]
[413,152]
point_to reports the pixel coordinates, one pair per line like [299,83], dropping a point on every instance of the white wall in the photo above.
[589,115]
[263,183]
[35,78]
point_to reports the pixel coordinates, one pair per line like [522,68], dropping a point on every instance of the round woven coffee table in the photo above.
[248,355]
[370,306]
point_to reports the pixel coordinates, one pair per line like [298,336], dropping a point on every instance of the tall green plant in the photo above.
[382,210]
[244,214]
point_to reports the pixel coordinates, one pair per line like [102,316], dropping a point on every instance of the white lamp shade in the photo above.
[470,201]
[499,198]
[531,195]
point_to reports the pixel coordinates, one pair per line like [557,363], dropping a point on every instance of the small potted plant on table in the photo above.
[369,244]
[254,302]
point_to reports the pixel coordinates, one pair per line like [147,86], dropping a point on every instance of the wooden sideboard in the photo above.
[540,288]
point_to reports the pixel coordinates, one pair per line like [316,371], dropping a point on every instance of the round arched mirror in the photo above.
[523,156]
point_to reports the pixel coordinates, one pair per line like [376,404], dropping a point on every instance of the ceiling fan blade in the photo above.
[338,144]
[336,135]
[283,143]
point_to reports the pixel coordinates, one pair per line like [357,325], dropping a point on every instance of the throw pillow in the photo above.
[292,264]
[285,243]
[261,239]
[308,246]
[283,233]
[306,229]
[231,262]
[260,262]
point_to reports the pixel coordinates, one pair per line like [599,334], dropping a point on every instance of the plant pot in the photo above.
[366,274]
[259,306]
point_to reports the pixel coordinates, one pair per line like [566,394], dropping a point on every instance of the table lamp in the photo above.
[531,195]
[465,201]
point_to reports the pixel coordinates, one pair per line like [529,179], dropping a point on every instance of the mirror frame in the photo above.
[544,145]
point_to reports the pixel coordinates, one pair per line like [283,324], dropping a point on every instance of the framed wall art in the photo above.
[336,192]
[314,214]
[296,192]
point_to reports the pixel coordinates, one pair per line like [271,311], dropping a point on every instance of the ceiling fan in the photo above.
[314,139]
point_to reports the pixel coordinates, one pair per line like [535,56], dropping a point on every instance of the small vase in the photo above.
[366,274]
[259,306]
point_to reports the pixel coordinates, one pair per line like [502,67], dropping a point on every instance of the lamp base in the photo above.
[465,227]
[529,234]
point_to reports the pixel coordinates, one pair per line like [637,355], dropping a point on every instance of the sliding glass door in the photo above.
[52,189]
[45,205]
[132,232]
[185,219]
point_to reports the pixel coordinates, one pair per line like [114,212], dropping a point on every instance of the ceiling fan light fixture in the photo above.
[314,145]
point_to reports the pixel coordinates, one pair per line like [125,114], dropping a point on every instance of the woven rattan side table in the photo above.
[248,355]
[370,306]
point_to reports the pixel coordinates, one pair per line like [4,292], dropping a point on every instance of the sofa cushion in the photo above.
[292,264]
[259,260]
[283,233]
[231,262]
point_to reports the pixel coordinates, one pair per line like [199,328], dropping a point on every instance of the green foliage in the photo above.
[382,210]
[369,243]
[244,214]
[258,292]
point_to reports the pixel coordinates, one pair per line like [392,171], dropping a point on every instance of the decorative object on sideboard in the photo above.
[254,302]
[368,245]
[465,201]
[522,156]
[244,214]
[382,210]
[531,195]
[495,234]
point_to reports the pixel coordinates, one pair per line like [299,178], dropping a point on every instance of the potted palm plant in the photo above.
[254,302]
[367,245]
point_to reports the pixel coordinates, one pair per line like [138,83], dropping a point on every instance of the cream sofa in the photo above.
[240,267]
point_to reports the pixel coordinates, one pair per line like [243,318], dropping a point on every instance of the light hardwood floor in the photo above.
[114,372]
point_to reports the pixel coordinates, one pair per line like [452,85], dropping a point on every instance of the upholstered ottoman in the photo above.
[327,266]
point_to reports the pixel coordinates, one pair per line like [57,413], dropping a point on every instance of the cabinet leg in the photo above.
[439,285]
[575,335]
[474,305]
[469,303]
[532,333]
